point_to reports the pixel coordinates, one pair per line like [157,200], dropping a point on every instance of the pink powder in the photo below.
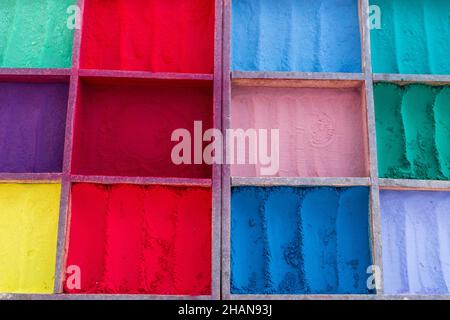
[322,131]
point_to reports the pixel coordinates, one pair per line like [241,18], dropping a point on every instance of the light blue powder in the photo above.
[416,242]
[296,35]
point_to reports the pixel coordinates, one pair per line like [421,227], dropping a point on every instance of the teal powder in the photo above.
[287,240]
[296,35]
[34,34]
[414,37]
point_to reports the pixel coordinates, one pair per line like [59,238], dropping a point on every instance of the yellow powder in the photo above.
[28,234]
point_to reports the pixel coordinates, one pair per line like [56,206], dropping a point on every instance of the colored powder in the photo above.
[28,234]
[35,34]
[413,38]
[296,35]
[149,35]
[416,242]
[126,129]
[32,127]
[413,130]
[133,239]
[288,240]
[322,131]
[442,135]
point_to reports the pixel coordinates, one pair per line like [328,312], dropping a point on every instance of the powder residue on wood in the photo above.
[413,37]
[296,35]
[32,127]
[130,239]
[28,234]
[288,240]
[416,242]
[322,131]
[149,35]
[35,34]
[413,131]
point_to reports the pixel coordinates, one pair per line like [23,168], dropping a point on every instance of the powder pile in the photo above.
[413,38]
[413,131]
[150,35]
[296,35]
[322,131]
[124,129]
[416,242]
[32,127]
[129,239]
[299,240]
[34,34]
[28,233]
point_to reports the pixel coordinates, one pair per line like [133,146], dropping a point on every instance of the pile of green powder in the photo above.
[413,131]
[36,33]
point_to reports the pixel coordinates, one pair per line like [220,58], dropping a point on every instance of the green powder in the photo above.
[414,37]
[34,34]
[418,121]
[413,131]
[390,133]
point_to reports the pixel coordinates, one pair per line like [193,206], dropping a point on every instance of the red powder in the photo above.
[132,239]
[150,35]
[125,129]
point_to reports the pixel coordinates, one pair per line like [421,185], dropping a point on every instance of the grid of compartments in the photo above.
[91,202]
[363,112]
[363,180]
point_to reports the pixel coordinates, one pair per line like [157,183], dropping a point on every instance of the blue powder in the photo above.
[249,250]
[284,232]
[296,35]
[288,240]
[319,212]
[352,231]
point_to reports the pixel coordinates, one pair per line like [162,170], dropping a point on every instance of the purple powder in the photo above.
[416,242]
[32,127]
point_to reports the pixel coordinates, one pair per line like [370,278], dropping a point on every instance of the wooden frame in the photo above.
[222,181]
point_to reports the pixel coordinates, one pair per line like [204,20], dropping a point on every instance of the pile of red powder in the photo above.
[131,239]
